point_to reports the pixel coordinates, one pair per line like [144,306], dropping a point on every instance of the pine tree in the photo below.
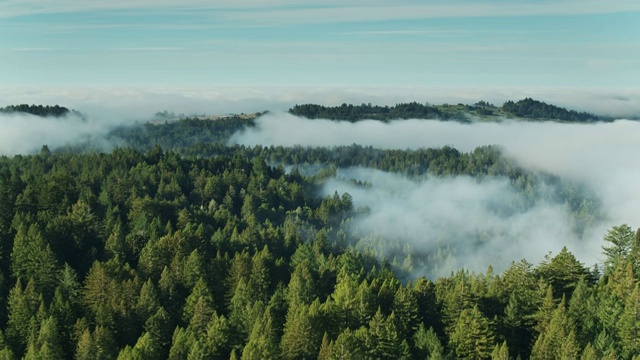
[148,301]
[569,348]
[300,338]
[241,305]
[581,313]
[500,352]
[104,343]
[22,307]
[84,348]
[473,337]
[159,326]
[199,306]
[182,342]
[326,347]
[629,325]
[405,307]
[47,344]
[219,337]
[427,343]
[147,348]
[302,286]
[263,340]
[260,278]
[557,339]
[621,239]
[99,287]
[350,344]
[66,306]
[32,257]
[383,340]
[345,300]
[589,353]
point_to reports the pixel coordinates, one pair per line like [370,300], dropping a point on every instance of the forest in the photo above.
[539,110]
[526,109]
[178,245]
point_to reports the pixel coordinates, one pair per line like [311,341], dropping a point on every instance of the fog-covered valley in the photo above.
[437,219]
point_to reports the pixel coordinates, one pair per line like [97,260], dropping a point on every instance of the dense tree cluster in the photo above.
[38,110]
[181,133]
[529,108]
[526,108]
[350,112]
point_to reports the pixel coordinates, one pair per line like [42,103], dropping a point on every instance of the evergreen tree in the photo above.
[383,340]
[32,257]
[300,339]
[473,337]
[620,239]
[263,340]
[350,344]
[199,306]
[629,325]
[500,352]
[426,343]
[557,339]
[22,305]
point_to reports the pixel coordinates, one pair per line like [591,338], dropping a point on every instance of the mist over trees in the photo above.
[181,246]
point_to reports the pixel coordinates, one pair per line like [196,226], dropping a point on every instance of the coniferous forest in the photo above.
[177,245]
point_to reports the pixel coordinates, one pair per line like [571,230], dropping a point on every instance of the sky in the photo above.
[573,44]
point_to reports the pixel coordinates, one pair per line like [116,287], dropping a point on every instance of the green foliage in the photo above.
[539,110]
[32,258]
[354,113]
[154,255]
[473,337]
[619,240]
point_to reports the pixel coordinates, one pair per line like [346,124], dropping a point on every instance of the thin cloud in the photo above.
[145,49]
[36,49]
[286,11]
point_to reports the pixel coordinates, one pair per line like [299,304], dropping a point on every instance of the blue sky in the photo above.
[571,43]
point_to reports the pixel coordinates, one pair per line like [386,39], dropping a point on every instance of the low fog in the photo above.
[25,133]
[481,223]
[135,101]
[602,156]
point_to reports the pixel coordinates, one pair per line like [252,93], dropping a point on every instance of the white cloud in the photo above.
[481,223]
[603,156]
[25,133]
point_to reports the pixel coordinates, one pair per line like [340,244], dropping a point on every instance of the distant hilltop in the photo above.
[40,110]
[526,108]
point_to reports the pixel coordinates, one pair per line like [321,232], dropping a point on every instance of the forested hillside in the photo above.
[152,255]
[178,245]
[353,113]
[525,109]
[529,108]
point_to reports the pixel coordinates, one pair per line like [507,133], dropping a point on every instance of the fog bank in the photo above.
[474,223]
[138,101]
[603,156]
[25,133]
